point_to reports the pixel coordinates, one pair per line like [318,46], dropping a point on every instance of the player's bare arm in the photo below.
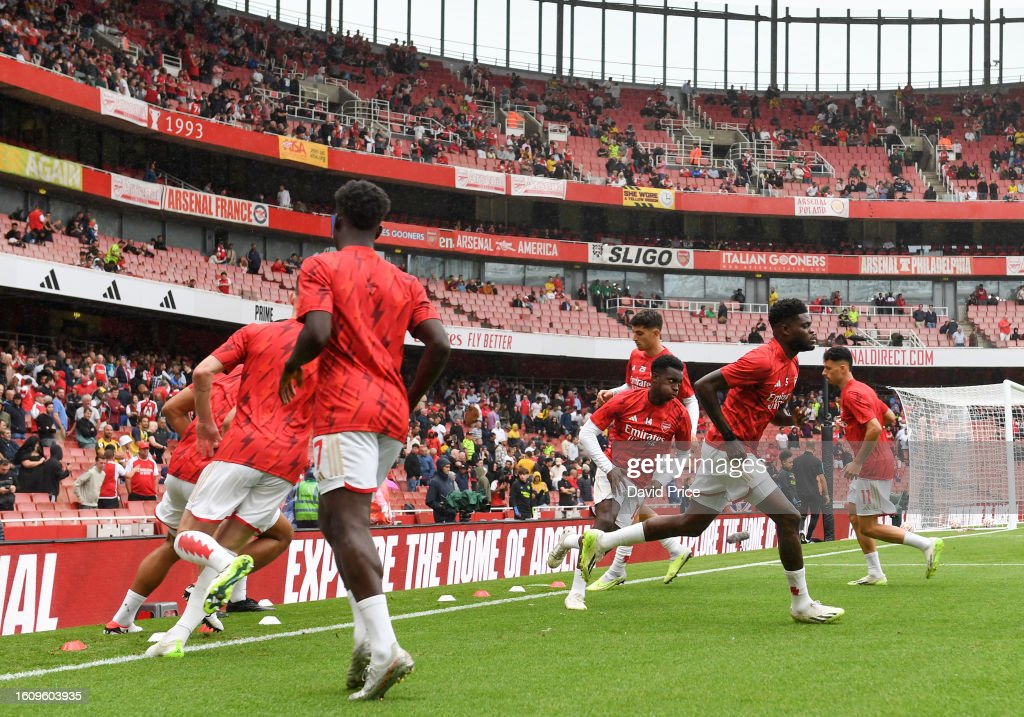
[207,431]
[316,332]
[873,431]
[707,389]
[177,408]
[889,418]
[436,351]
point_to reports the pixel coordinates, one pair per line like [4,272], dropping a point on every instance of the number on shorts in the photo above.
[318,450]
[865,497]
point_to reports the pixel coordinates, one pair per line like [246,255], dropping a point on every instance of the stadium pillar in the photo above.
[277,10]
[540,33]
[940,50]
[475,18]
[374,20]
[309,13]
[757,42]
[910,41]
[725,50]
[970,49]
[508,32]
[572,40]
[665,45]
[442,28]
[602,40]
[773,45]
[785,71]
[328,26]
[817,49]
[987,40]
[559,31]
[408,21]
[878,53]
[848,26]
[1002,23]
[634,40]
[696,12]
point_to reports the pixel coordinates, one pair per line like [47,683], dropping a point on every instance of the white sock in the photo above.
[194,611]
[674,546]
[359,633]
[125,615]
[618,567]
[874,565]
[625,536]
[798,597]
[579,585]
[916,541]
[239,594]
[378,627]
[571,541]
[201,549]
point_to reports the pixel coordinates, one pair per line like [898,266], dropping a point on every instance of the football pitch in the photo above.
[717,641]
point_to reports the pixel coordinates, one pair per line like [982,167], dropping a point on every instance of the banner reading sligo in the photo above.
[648,197]
[642,256]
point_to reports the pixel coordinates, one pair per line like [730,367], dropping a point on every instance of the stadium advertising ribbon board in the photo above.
[42,583]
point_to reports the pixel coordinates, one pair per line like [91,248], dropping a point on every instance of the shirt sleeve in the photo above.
[751,369]
[232,352]
[423,309]
[315,291]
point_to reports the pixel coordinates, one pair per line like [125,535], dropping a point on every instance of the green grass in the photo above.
[709,644]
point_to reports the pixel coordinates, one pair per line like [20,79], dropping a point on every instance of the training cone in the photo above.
[446,598]
[157,636]
[270,620]
[74,646]
[481,593]
[265,603]
[558,584]
[517,589]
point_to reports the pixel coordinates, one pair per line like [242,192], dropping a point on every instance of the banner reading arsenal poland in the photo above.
[41,583]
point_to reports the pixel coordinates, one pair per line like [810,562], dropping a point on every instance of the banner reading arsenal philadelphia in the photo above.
[41,583]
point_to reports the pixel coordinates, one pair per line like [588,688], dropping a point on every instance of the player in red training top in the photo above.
[262,455]
[872,470]
[357,308]
[183,471]
[637,421]
[760,384]
[646,325]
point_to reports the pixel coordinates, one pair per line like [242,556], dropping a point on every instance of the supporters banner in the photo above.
[558,133]
[479,180]
[214,206]
[304,151]
[41,586]
[641,256]
[918,265]
[525,186]
[763,262]
[133,191]
[515,125]
[648,197]
[1015,265]
[123,107]
[831,207]
[512,247]
[32,165]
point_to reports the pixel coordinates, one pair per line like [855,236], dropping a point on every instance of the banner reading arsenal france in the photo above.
[41,583]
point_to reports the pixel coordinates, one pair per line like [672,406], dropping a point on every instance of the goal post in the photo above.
[965,444]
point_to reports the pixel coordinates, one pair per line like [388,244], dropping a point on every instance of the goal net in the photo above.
[966,455]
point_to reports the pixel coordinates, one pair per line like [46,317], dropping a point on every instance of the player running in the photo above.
[636,421]
[760,384]
[182,473]
[646,325]
[357,308]
[261,457]
[870,474]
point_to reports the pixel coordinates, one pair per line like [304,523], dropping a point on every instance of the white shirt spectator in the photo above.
[958,337]
[570,450]
[783,440]
[284,198]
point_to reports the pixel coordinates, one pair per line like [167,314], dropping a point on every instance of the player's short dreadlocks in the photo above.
[363,203]
[784,310]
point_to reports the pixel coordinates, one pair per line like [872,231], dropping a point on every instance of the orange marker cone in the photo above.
[74,646]
[481,593]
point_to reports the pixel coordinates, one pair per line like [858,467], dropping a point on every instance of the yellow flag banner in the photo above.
[648,197]
[301,150]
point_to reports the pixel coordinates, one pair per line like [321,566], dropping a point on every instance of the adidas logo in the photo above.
[168,302]
[112,292]
[50,282]
[778,384]
[634,418]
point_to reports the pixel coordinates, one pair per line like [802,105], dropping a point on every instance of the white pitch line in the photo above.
[125,659]
[919,565]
